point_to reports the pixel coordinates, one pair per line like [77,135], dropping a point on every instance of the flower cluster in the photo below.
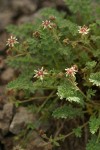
[71,71]
[83,30]
[12,41]
[40,73]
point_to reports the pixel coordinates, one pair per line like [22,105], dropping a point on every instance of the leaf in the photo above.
[78,131]
[67,111]
[17,103]
[95,78]
[94,124]
[23,82]
[93,144]
[90,93]
[70,93]
[82,7]
[91,64]
[95,38]
[55,143]
[74,99]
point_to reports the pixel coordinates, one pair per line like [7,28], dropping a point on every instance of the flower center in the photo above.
[46,23]
[70,71]
[83,30]
[12,41]
[40,73]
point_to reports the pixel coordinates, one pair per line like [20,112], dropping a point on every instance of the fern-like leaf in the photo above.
[70,93]
[95,78]
[77,132]
[94,124]
[67,112]
[93,144]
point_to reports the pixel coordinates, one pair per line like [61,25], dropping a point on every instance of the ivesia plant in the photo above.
[59,57]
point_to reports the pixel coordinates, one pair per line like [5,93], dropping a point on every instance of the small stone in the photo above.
[30,18]
[2,90]
[3,38]
[1,115]
[7,75]
[2,63]
[24,6]
[59,2]
[6,117]
[4,127]
[48,3]
[5,4]
[21,119]
[2,100]
[36,142]
[8,110]
[5,19]
[25,19]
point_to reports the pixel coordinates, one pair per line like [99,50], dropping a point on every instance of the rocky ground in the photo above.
[13,120]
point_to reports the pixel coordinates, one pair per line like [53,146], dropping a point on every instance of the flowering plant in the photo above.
[69,78]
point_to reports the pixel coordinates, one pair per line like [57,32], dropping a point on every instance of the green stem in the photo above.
[78,89]
[31,99]
[46,101]
[57,38]
[65,136]
[55,61]
[22,54]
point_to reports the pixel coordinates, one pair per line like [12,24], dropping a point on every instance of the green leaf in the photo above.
[95,38]
[94,124]
[95,78]
[55,143]
[70,93]
[82,8]
[67,111]
[30,126]
[93,144]
[17,103]
[78,131]
[90,93]
[34,125]
[23,82]
[91,64]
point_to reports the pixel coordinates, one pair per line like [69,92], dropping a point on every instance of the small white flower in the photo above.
[83,30]
[12,41]
[46,24]
[40,73]
[71,71]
